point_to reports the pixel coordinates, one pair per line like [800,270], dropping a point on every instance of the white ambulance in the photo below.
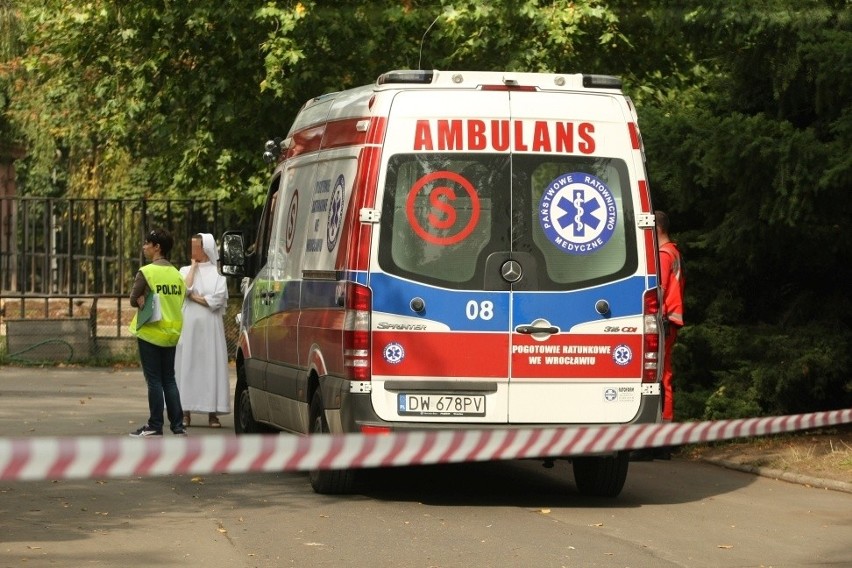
[453,249]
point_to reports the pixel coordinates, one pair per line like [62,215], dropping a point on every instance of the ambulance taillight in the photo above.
[356,332]
[651,336]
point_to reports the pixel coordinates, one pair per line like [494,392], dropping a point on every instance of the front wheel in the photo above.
[244,422]
[597,476]
[327,481]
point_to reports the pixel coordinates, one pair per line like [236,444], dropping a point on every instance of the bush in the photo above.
[726,372]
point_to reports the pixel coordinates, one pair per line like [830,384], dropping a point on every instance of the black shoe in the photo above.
[664,453]
[643,455]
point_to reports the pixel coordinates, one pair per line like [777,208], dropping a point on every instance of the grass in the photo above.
[821,453]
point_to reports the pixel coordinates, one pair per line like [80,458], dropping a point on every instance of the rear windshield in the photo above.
[561,217]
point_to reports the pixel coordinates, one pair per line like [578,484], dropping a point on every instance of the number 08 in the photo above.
[483,310]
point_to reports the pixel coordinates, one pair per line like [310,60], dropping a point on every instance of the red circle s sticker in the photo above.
[292,214]
[441,198]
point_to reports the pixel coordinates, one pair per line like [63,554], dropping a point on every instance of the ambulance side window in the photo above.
[264,234]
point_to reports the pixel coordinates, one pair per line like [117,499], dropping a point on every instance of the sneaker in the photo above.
[146,431]
[180,432]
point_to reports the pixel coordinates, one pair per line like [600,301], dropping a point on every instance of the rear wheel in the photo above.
[327,481]
[601,476]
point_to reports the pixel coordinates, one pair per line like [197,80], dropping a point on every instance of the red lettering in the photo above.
[448,210]
[476,135]
[541,137]
[450,135]
[422,136]
[585,131]
[519,137]
[565,137]
[500,135]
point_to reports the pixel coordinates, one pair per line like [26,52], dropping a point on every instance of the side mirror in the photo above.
[233,254]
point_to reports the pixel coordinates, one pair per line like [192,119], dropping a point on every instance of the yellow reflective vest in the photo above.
[168,284]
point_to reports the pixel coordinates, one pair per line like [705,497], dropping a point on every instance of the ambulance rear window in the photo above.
[445,213]
[562,217]
[591,238]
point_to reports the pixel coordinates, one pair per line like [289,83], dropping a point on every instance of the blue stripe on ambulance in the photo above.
[563,309]
[393,295]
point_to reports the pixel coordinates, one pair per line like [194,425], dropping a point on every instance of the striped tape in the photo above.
[106,457]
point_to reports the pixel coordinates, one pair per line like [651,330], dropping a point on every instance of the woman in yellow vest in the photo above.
[158,292]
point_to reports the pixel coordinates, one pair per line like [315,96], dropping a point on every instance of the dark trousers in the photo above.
[158,366]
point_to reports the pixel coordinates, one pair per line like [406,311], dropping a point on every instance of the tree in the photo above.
[176,99]
[756,170]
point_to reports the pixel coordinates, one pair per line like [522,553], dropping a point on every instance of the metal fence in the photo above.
[67,267]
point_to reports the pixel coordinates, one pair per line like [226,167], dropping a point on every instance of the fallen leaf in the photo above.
[198,479]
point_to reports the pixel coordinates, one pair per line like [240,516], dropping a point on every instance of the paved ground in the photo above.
[69,401]
[672,513]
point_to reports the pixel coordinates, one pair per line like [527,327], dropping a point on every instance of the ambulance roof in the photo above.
[356,102]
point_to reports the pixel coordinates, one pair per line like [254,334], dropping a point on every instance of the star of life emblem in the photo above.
[335,213]
[622,355]
[393,353]
[578,213]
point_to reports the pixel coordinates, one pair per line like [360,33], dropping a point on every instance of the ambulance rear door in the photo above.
[577,296]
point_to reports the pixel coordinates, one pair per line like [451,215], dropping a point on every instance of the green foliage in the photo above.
[142,99]
[754,169]
[741,371]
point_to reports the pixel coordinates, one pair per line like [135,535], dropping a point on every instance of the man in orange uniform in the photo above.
[672,283]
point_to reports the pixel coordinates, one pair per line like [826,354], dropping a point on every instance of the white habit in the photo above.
[201,359]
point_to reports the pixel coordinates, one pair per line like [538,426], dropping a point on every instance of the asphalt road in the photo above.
[514,513]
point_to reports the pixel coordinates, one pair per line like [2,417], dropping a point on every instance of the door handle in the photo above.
[530,329]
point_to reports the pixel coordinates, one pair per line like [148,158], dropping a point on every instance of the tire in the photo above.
[244,422]
[601,476]
[327,481]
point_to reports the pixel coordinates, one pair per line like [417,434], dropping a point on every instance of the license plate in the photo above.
[440,404]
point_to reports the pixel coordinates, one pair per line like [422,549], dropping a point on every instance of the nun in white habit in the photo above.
[201,360]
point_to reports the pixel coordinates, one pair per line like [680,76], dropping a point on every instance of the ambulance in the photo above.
[453,250]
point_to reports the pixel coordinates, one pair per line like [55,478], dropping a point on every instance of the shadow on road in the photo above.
[528,484]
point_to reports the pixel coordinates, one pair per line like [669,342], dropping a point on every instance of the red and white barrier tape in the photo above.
[104,457]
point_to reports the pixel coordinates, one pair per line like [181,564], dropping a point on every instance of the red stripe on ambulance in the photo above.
[577,357]
[463,354]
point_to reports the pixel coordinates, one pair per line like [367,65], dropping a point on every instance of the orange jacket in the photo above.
[672,281]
